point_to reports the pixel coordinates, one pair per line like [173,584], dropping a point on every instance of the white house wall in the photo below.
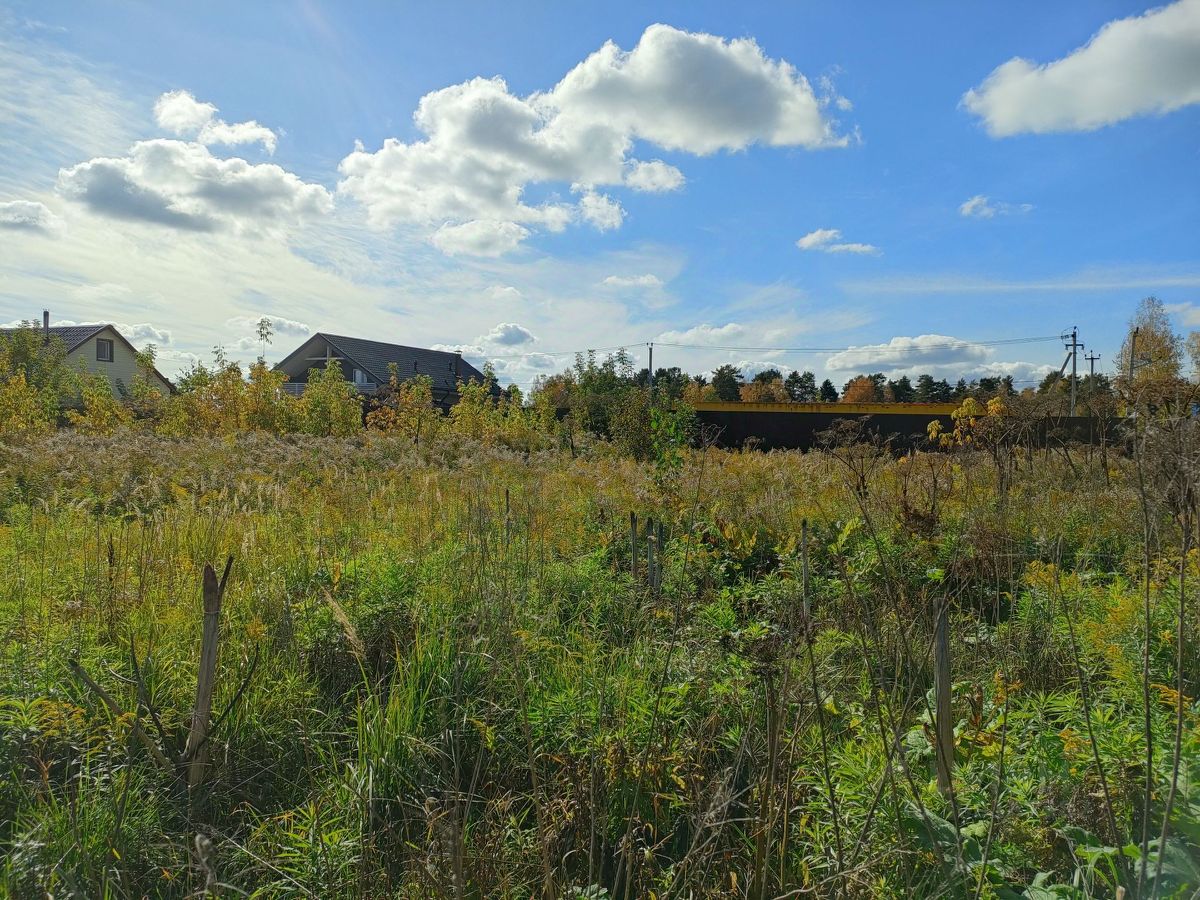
[123,369]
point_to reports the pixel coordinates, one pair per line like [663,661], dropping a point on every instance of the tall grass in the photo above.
[464,686]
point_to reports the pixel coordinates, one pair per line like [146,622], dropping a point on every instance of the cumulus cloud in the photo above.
[653,177]
[483,145]
[1136,66]
[173,362]
[922,351]
[182,114]
[603,212]
[279,325]
[633,281]
[508,334]
[479,237]
[28,215]
[829,240]
[181,184]
[708,335]
[1187,313]
[982,207]
[142,332]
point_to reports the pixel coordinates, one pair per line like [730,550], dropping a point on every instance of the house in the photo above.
[100,349]
[366,364]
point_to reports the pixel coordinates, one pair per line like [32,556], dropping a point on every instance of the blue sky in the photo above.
[812,175]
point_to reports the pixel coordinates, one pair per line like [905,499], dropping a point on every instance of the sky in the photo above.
[840,187]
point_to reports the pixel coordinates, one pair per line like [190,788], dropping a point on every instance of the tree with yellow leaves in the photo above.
[406,407]
[100,412]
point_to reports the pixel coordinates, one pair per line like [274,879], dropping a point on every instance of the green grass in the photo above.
[460,689]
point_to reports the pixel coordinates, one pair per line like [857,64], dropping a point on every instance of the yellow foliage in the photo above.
[101,412]
[24,410]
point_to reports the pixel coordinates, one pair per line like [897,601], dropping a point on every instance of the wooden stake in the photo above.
[944,724]
[196,750]
[633,550]
[804,561]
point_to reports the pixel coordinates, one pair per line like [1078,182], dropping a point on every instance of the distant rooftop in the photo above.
[71,335]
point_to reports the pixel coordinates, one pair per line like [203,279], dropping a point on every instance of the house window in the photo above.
[360,377]
[104,350]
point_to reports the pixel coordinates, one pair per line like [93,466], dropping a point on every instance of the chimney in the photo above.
[457,365]
[46,325]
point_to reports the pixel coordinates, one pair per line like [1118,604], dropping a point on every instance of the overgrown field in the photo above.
[442,674]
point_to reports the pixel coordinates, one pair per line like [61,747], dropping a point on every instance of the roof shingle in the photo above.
[71,335]
[375,356]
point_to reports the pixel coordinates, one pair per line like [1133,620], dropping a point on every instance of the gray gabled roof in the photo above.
[71,335]
[444,368]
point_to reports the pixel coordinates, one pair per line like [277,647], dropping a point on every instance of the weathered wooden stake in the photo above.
[944,721]
[659,540]
[633,550]
[807,601]
[196,749]
[650,552]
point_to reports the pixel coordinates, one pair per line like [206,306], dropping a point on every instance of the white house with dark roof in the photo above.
[102,350]
[366,364]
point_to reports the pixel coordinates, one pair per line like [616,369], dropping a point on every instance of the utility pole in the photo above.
[1073,348]
[1132,355]
[1092,359]
[650,370]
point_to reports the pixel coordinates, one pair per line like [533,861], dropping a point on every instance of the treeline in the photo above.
[727,383]
[608,397]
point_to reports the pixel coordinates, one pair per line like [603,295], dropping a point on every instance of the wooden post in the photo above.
[804,566]
[633,550]
[650,552]
[944,721]
[658,543]
[196,750]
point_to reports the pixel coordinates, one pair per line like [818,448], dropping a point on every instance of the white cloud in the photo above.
[981,207]
[28,215]
[55,109]
[601,211]
[182,114]
[173,362]
[480,237]
[705,334]
[1022,373]
[505,293]
[183,185]
[633,281]
[978,206]
[144,332]
[508,334]
[1187,313]
[908,353]
[1136,66]
[828,240]
[653,177]
[483,145]
[279,325]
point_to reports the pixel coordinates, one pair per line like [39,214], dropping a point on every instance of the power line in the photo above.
[882,348]
[558,352]
[864,348]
